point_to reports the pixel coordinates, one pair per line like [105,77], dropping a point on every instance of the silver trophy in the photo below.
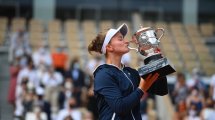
[147,42]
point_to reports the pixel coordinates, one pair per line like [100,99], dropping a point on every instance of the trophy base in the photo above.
[161,66]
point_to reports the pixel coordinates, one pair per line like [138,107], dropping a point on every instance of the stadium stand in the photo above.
[73,24]
[183,45]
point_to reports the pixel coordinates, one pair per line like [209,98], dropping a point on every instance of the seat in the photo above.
[206,29]
[89,26]
[177,64]
[166,39]
[71,26]
[105,25]
[36,26]
[172,55]
[168,47]
[181,40]
[161,25]
[3,23]
[2,37]
[201,48]
[17,24]
[147,24]
[188,56]
[208,67]
[34,38]
[183,48]
[195,40]
[191,64]
[54,26]
[204,56]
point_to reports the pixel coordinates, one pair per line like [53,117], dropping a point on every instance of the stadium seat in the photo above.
[17,24]
[208,67]
[206,29]
[54,26]
[166,47]
[36,26]
[3,29]
[105,24]
[191,64]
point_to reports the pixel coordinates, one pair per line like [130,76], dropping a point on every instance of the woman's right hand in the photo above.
[145,84]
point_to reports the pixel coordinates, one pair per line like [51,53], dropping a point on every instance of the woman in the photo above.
[117,88]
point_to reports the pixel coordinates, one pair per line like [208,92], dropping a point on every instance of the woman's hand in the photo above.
[145,84]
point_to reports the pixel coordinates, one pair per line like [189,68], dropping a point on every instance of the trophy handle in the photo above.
[131,48]
[160,29]
[135,41]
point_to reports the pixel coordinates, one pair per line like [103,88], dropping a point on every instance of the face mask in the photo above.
[76,65]
[68,94]
[59,49]
[42,50]
[68,85]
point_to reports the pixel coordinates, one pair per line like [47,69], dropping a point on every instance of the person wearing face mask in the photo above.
[41,108]
[66,93]
[117,88]
[195,103]
[42,56]
[196,81]
[78,78]
[71,111]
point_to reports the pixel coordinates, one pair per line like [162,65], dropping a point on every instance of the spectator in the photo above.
[180,89]
[28,100]
[40,72]
[143,107]
[91,100]
[20,42]
[37,114]
[180,94]
[52,81]
[66,93]
[208,113]
[40,102]
[21,91]
[59,58]
[94,63]
[28,72]
[196,81]
[27,80]
[195,102]
[78,79]
[71,111]
[14,71]
[42,56]
[151,113]
[212,88]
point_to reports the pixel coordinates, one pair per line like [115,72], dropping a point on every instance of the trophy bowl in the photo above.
[147,43]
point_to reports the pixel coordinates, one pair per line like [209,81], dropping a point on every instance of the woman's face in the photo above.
[118,44]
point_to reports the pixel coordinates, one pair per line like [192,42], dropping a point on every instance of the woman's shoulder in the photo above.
[130,69]
[101,71]
[105,68]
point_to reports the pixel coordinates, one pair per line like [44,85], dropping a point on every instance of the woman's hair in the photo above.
[96,43]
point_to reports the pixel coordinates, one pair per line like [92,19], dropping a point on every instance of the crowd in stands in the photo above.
[193,98]
[48,85]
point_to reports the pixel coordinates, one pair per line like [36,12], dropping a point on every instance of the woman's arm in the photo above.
[106,86]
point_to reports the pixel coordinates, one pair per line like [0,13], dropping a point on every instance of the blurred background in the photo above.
[46,70]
